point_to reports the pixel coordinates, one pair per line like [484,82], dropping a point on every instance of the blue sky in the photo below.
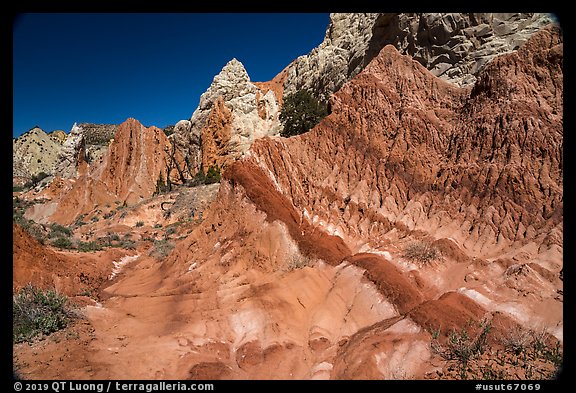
[105,68]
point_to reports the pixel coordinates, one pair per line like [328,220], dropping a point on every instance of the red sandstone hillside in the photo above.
[298,269]
[127,173]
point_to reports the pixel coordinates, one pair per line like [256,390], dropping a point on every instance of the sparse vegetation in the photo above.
[421,252]
[297,261]
[462,347]
[88,246]
[79,220]
[62,243]
[520,354]
[170,231]
[36,179]
[59,230]
[126,244]
[161,186]
[162,248]
[213,175]
[37,312]
[300,112]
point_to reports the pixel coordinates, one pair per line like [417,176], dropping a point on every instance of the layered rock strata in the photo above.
[453,46]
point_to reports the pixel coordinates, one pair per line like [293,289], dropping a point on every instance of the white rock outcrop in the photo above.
[253,114]
[453,46]
[73,150]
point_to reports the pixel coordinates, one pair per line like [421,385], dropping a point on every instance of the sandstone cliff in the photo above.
[404,147]
[298,269]
[232,113]
[127,172]
[85,143]
[454,46]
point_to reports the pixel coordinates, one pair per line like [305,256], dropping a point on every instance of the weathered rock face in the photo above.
[128,172]
[97,138]
[33,152]
[58,136]
[72,155]
[407,147]
[452,46]
[36,264]
[239,106]
[85,143]
[298,268]
[405,157]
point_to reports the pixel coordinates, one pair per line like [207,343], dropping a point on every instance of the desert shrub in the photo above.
[126,244]
[62,242]
[297,261]
[162,248]
[36,179]
[300,112]
[88,246]
[161,186]
[139,224]
[36,312]
[170,231]
[79,220]
[463,347]
[59,230]
[212,175]
[517,340]
[421,252]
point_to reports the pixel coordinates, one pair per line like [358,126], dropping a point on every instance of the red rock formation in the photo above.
[403,149]
[69,273]
[276,85]
[128,173]
[297,269]
[216,136]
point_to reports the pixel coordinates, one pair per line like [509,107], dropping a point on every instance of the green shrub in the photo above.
[36,312]
[213,175]
[300,112]
[161,186]
[88,246]
[162,248]
[59,230]
[62,242]
[126,244]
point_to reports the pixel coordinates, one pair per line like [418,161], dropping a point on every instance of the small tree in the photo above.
[160,185]
[213,175]
[300,112]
